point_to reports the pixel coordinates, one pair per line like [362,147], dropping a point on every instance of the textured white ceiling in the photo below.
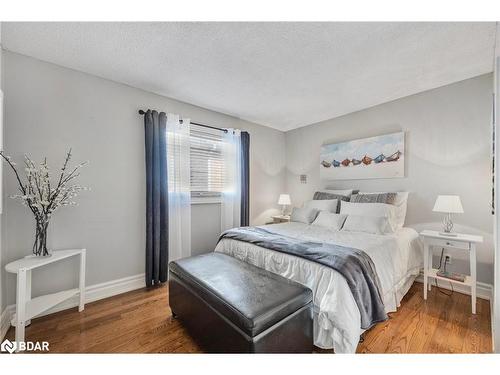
[284,75]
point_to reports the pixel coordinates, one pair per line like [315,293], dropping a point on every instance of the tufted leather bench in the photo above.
[231,306]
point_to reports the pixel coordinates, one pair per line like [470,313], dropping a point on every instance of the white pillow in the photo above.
[367,224]
[345,192]
[304,215]
[329,220]
[401,203]
[388,211]
[329,205]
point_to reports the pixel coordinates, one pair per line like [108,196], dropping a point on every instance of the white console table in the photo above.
[27,308]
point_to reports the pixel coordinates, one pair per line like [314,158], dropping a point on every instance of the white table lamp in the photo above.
[449,204]
[284,200]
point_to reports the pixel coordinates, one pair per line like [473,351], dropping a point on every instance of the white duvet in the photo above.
[397,258]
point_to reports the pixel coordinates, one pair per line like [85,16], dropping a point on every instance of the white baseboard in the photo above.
[92,293]
[483,290]
[113,287]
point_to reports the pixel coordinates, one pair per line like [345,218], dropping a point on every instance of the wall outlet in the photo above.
[447,259]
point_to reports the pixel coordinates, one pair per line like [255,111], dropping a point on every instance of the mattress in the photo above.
[337,322]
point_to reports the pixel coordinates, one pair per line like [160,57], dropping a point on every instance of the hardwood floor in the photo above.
[141,322]
[442,324]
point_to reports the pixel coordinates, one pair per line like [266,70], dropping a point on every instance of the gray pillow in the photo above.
[304,215]
[321,195]
[388,198]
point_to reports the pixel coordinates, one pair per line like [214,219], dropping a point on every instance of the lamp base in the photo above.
[447,226]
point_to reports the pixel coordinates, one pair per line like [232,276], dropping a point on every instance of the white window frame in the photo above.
[210,198]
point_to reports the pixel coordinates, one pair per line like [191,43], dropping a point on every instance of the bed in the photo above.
[337,324]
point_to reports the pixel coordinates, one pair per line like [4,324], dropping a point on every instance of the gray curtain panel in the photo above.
[245,179]
[156,197]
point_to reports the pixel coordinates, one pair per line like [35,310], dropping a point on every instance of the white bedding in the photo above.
[397,258]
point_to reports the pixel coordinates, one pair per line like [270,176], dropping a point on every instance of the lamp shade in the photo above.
[284,199]
[449,204]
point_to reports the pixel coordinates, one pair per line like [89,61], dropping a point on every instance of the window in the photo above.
[207,164]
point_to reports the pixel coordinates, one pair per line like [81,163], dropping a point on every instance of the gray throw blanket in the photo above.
[355,265]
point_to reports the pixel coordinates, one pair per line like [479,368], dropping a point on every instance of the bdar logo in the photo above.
[8,346]
[21,346]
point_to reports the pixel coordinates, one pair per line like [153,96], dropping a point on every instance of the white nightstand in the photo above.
[280,219]
[465,242]
[26,307]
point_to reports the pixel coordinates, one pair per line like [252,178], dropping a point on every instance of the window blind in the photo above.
[207,164]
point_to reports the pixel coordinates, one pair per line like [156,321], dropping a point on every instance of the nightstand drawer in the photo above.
[438,242]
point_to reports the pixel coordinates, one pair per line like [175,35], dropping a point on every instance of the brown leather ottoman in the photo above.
[230,306]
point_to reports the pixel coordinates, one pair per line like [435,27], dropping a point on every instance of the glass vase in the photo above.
[40,245]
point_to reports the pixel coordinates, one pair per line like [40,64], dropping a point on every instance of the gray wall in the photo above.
[2,271]
[495,310]
[50,108]
[448,151]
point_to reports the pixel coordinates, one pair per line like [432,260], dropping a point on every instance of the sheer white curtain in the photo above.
[231,195]
[179,191]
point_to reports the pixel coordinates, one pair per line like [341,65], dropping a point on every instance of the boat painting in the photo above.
[394,157]
[379,159]
[364,158]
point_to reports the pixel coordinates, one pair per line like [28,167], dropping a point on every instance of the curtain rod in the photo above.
[141,112]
